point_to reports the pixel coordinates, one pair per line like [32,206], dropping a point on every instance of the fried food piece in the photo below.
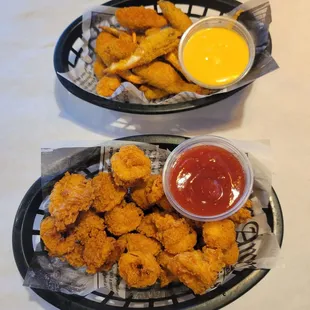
[151,47]
[97,251]
[196,270]
[151,31]
[138,242]
[165,204]
[130,77]
[219,234]
[75,258]
[88,225]
[147,226]
[72,194]
[166,277]
[123,35]
[130,166]
[107,85]
[107,194]
[243,214]
[172,57]
[178,19]
[149,193]
[214,257]
[113,257]
[231,255]
[123,219]
[153,93]
[174,234]
[139,18]
[56,244]
[98,68]
[138,269]
[163,76]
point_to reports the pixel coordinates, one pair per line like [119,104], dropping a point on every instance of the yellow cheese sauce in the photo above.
[216,56]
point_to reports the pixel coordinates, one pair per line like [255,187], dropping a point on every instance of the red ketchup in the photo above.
[207,180]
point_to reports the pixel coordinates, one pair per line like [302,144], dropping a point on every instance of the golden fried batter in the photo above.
[166,277]
[107,194]
[123,219]
[196,270]
[219,234]
[138,242]
[88,225]
[153,93]
[231,255]
[139,18]
[147,226]
[97,251]
[138,269]
[72,194]
[98,68]
[243,214]
[163,76]
[130,166]
[107,85]
[113,257]
[53,240]
[75,258]
[178,19]
[165,204]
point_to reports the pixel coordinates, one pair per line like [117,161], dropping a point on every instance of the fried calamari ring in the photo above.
[138,269]
[123,219]
[107,194]
[130,166]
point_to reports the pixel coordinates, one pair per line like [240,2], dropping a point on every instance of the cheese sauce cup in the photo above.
[207,178]
[216,52]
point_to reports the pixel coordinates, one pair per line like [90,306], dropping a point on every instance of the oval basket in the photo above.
[26,231]
[65,50]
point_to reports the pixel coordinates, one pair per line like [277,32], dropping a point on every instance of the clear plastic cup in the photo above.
[217,22]
[215,141]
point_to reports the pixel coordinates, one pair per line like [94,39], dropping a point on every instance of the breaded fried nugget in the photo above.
[178,19]
[88,225]
[219,234]
[138,242]
[163,76]
[153,93]
[123,219]
[149,192]
[139,18]
[56,244]
[97,251]
[147,226]
[151,47]
[107,194]
[113,257]
[130,166]
[165,204]
[98,68]
[138,269]
[174,234]
[75,258]
[231,255]
[243,214]
[107,85]
[196,270]
[72,194]
[166,277]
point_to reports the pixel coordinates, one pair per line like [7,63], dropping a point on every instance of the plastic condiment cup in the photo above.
[217,22]
[203,141]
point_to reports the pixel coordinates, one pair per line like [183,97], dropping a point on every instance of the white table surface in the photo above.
[35,108]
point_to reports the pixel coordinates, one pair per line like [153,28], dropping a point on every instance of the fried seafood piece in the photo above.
[99,66]
[151,47]
[72,194]
[219,234]
[139,242]
[174,234]
[88,225]
[138,269]
[172,57]
[150,31]
[113,257]
[55,243]
[107,194]
[149,193]
[231,255]
[165,204]
[166,277]
[123,35]
[147,226]
[139,18]
[123,219]
[75,257]
[153,93]
[107,85]
[130,166]
[243,214]
[178,19]
[197,270]
[163,76]
[97,251]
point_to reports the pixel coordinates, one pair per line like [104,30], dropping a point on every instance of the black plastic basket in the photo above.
[26,234]
[64,47]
